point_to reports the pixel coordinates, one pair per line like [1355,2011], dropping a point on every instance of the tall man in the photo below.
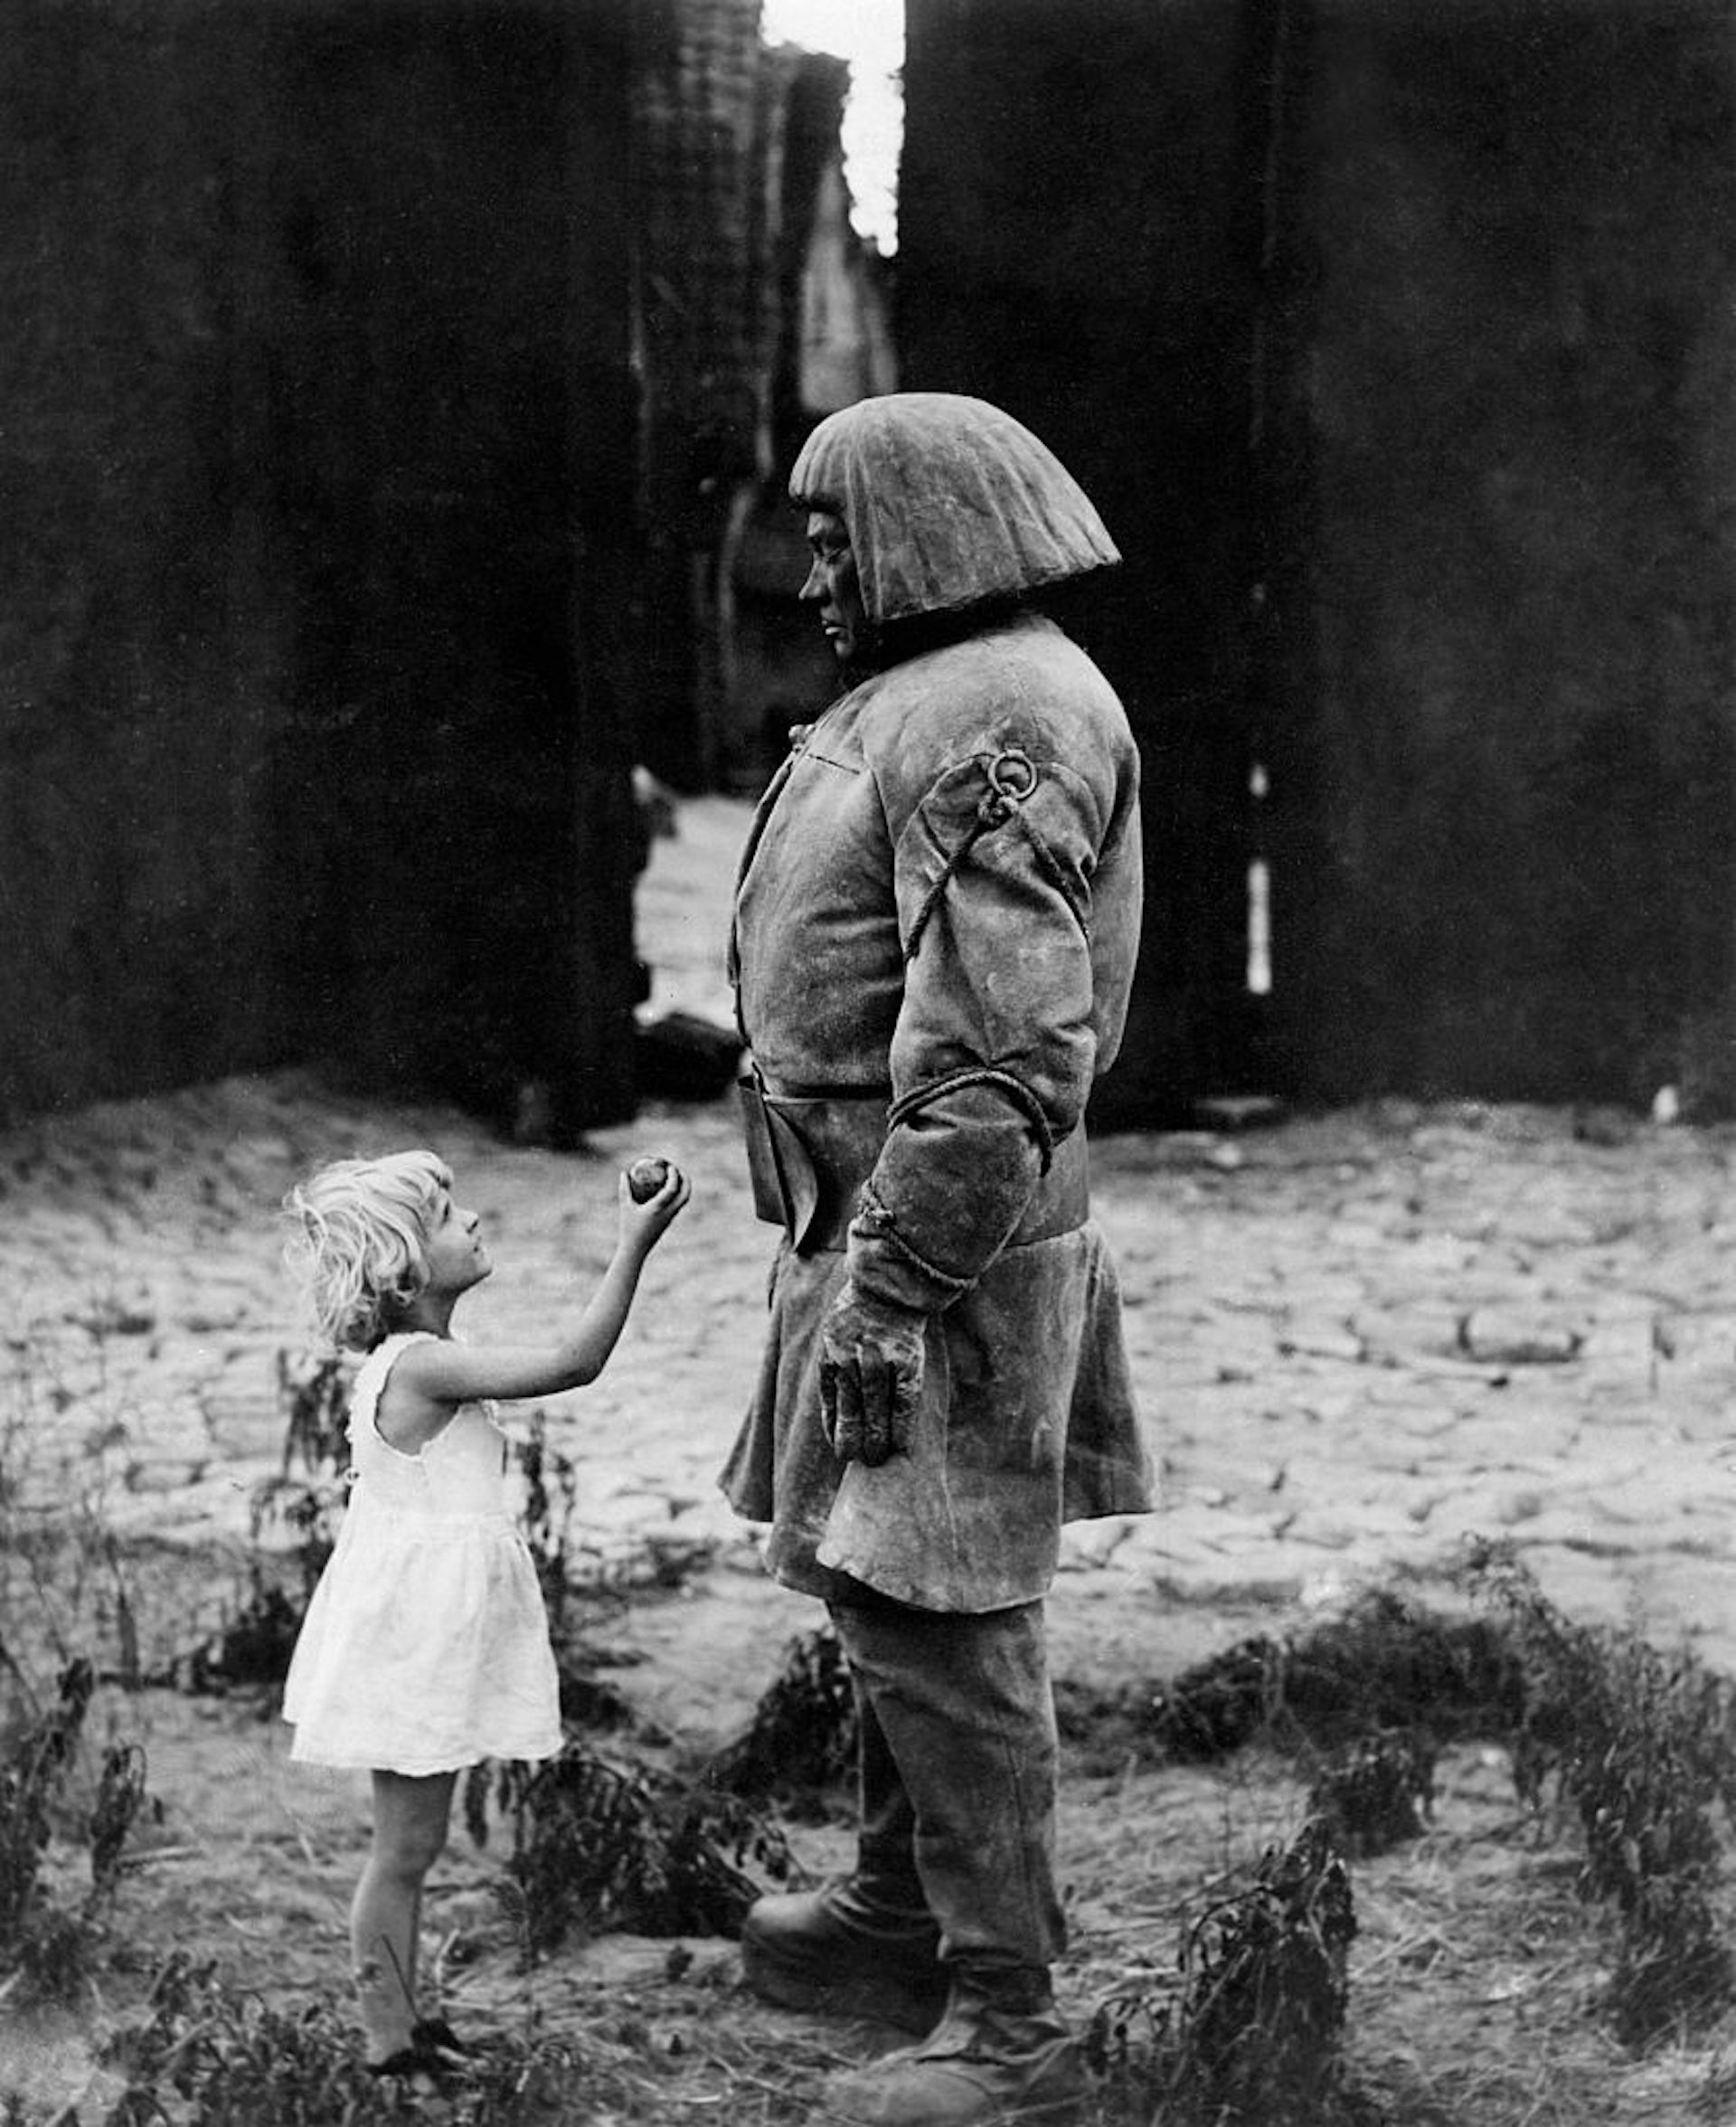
[935,930]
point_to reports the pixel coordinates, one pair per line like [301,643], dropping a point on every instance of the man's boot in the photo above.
[839,1953]
[1001,2057]
[867,1946]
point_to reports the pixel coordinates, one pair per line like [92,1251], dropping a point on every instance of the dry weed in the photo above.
[801,1739]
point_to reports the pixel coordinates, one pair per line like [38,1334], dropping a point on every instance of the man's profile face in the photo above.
[832,584]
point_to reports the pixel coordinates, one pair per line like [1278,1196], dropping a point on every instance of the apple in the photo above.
[645,1177]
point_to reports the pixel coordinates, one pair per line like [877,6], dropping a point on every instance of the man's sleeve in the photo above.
[994,1049]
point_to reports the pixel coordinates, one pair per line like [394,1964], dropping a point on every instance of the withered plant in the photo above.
[213,2054]
[1387,1663]
[47,1943]
[801,1738]
[596,1845]
[252,1644]
[314,1393]
[307,1494]
[1639,1746]
[1252,2035]
[551,1494]
[1377,1793]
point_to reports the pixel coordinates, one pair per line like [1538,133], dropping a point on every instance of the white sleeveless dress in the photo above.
[426,1645]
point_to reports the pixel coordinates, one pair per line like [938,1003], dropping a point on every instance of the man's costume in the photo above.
[935,929]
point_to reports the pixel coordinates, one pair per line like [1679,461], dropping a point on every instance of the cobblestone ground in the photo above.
[1358,1337]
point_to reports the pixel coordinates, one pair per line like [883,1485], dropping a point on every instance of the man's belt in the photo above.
[808,1156]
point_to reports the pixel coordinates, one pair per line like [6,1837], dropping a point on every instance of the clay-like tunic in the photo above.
[937,912]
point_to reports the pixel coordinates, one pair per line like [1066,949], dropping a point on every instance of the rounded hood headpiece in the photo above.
[947,502]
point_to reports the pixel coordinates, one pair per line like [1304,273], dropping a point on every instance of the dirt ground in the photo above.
[1359,1339]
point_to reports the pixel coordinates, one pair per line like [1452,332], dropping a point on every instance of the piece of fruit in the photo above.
[645,1177]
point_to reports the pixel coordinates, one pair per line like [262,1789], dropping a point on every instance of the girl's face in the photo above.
[453,1245]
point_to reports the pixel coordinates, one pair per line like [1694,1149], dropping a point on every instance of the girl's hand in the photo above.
[649,1202]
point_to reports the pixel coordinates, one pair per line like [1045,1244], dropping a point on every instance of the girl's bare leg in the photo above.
[409,1822]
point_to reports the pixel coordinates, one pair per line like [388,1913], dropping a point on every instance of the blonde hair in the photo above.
[360,1251]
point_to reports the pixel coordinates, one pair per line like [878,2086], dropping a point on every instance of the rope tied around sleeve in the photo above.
[1012,777]
[876,1220]
[1011,1089]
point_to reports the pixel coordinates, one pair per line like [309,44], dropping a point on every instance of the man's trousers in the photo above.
[958,1767]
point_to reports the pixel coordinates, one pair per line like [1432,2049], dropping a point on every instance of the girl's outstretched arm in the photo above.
[442,1373]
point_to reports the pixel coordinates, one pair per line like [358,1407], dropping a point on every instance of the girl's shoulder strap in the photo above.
[371,1376]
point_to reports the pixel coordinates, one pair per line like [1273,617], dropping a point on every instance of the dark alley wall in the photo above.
[1509,762]
[1077,242]
[132,835]
[312,735]
[1395,341]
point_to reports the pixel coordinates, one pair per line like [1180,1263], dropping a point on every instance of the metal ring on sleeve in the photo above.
[1013,775]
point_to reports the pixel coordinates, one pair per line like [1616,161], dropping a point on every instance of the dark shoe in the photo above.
[1001,2055]
[413,2064]
[836,1953]
[435,2035]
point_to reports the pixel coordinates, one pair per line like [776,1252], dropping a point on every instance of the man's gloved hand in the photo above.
[870,1375]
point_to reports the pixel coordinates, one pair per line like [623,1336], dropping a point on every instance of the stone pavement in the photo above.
[1367,1335]
[1357,1336]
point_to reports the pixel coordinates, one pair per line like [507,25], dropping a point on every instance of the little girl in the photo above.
[426,1646]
